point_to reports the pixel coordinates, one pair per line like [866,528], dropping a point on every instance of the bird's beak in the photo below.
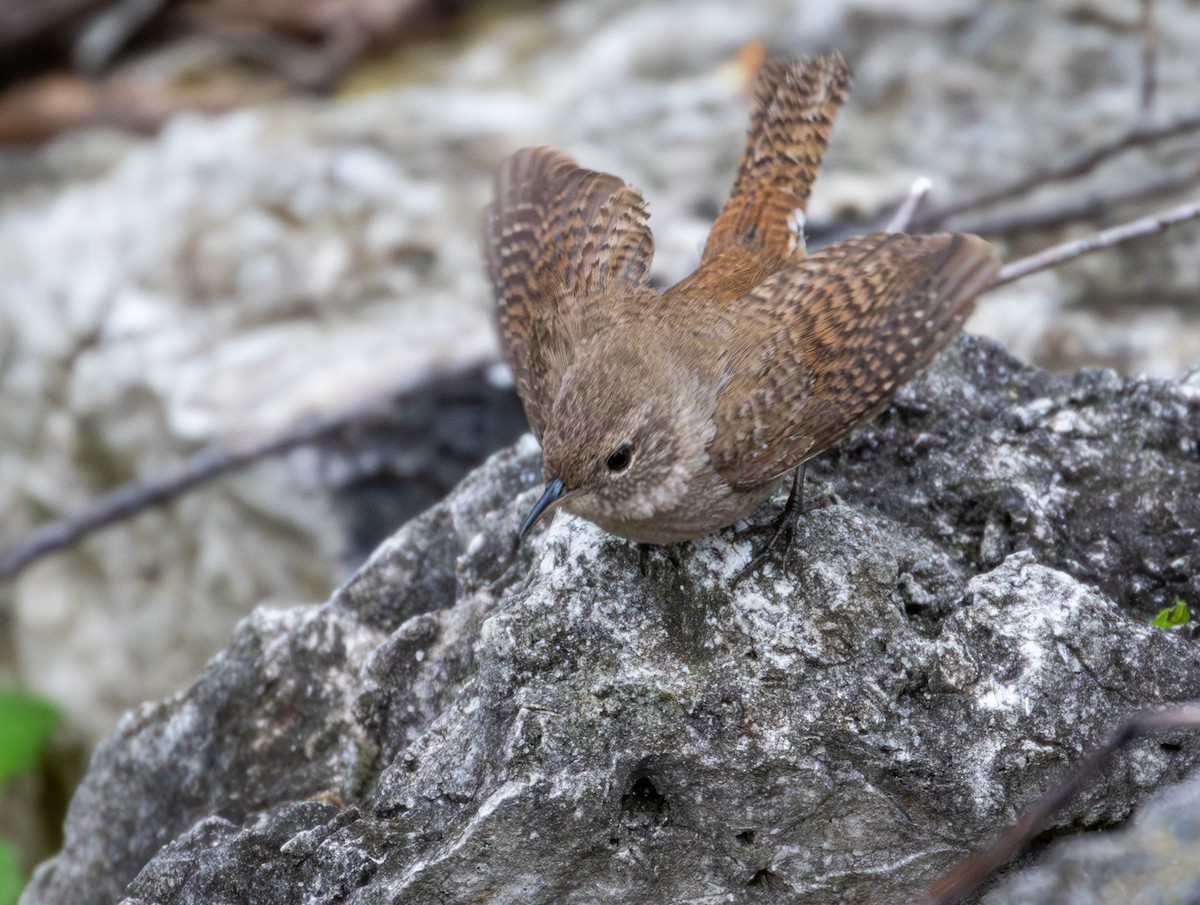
[555,491]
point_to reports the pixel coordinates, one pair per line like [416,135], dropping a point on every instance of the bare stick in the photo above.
[1087,207]
[903,217]
[108,32]
[1075,165]
[131,498]
[971,872]
[1057,254]
[1149,88]
[135,496]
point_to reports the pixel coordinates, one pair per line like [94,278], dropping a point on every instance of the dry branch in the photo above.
[1058,254]
[1075,165]
[136,496]
[971,872]
[1149,86]
[903,217]
[1091,206]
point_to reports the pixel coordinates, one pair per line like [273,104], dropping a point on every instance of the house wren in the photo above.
[663,417]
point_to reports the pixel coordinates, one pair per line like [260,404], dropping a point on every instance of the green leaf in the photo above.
[25,724]
[1179,614]
[11,880]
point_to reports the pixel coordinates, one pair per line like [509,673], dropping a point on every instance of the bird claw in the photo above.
[782,528]
[783,531]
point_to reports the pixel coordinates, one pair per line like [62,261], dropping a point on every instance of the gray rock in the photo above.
[565,721]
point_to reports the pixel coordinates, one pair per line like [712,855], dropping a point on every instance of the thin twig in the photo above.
[1149,87]
[970,873]
[1075,165]
[109,31]
[131,498]
[1092,206]
[903,217]
[135,496]
[1057,254]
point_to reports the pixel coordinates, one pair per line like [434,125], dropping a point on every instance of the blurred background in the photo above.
[222,219]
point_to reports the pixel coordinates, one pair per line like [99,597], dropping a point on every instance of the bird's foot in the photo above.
[782,530]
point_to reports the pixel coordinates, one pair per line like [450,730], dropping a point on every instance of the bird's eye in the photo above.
[620,458]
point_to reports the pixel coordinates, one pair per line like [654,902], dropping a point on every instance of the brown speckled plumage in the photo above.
[666,416]
[560,241]
[791,114]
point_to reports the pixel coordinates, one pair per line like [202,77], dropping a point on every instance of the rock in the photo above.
[470,720]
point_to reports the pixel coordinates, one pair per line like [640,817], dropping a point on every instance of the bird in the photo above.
[666,416]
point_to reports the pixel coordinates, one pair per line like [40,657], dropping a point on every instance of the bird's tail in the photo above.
[794,104]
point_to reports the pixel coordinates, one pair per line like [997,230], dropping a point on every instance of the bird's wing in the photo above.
[559,240]
[824,344]
[793,107]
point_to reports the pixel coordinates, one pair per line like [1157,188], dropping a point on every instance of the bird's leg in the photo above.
[644,558]
[783,529]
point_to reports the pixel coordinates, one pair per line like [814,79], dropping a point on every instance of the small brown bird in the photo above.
[663,417]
